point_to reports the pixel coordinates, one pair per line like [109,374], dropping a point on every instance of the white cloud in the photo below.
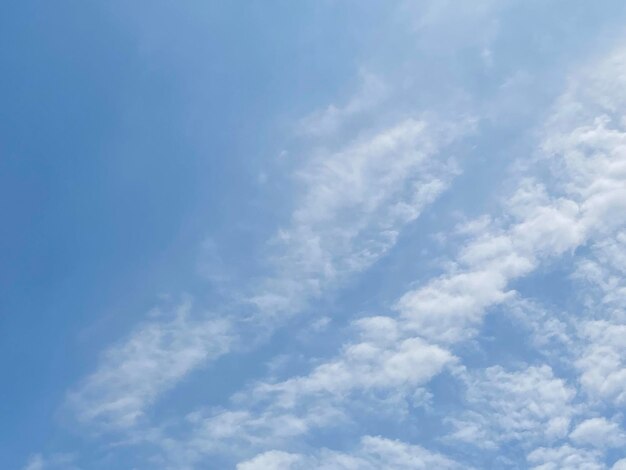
[323,123]
[565,457]
[602,276]
[600,348]
[619,465]
[598,432]
[603,361]
[155,357]
[375,364]
[444,26]
[353,204]
[272,460]
[581,201]
[585,147]
[531,405]
[35,462]
[448,309]
[296,406]
[56,461]
[237,431]
[373,453]
[350,207]
[380,368]
[551,331]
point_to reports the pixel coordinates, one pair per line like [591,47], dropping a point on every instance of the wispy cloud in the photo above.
[359,185]
[35,462]
[370,372]
[353,204]
[564,457]
[156,356]
[543,218]
[526,406]
[373,453]
[52,462]
[371,92]
[352,200]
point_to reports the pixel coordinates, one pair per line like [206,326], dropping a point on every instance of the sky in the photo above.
[278,235]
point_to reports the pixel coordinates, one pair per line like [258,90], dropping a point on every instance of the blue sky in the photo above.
[313,235]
